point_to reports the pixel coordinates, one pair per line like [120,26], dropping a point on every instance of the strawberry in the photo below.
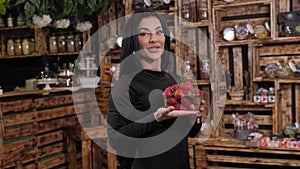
[171,101]
[185,101]
[168,92]
[196,100]
[177,106]
[174,87]
[198,92]
[178,94]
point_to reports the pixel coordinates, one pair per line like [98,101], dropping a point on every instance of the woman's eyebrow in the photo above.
[147,29]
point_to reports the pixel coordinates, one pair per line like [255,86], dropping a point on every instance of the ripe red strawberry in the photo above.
[174,87]
[168,92]
[178,94]
[177,106]
[196,100]
[185,101]
[171,101]
[198,92]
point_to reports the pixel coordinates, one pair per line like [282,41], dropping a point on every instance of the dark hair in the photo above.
[130,42]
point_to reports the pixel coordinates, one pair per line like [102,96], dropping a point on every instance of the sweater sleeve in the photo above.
[119,126]
[195,129]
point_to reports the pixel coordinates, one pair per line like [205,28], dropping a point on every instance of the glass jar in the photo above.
[32,45]
[70,43]
[25,46]
[77,42]
[18,47]
[20,20]
[186,12]
[10,47]
[203,13]
[53,45]
[61,41]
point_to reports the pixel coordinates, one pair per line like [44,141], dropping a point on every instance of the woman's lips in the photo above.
[154,48]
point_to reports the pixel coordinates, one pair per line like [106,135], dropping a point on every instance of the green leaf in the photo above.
[29,10]
[2,9]
[68,7]
[19,2]
[81,2]
[104,8]
[2,1]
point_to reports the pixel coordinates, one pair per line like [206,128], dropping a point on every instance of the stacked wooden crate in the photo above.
[32,127]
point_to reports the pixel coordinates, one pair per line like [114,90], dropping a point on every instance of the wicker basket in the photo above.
[236,95]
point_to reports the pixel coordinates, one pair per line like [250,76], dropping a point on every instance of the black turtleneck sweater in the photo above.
[132,103]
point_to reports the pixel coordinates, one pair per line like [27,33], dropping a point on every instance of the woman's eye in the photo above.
[143,34]
[160,33]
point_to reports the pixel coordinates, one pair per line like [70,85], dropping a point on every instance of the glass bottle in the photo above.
[53,44]
[10,22]
[18,47]
[25,46]
[10,47]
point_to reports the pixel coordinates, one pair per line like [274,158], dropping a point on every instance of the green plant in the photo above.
[4,4]
[80,9]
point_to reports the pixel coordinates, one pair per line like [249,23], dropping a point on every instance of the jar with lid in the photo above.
[202,11]
[70,43]
[53,44]
[61,41]
[10,47]
[25,46]
[32,45]
[18,47]
[203,15]
[77,42]
[186,12]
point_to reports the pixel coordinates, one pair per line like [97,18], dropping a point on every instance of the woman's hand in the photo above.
[169,112]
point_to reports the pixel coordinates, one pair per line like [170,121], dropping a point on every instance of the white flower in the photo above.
[63,23]
[83,26]
[41,21]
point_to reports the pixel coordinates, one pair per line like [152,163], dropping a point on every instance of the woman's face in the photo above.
[151,40]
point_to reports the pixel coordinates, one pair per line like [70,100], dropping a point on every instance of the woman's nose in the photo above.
[153,37]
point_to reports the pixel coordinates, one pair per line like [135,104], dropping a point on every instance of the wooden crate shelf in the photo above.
[231,153]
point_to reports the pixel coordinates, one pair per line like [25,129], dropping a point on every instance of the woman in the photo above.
[145,133]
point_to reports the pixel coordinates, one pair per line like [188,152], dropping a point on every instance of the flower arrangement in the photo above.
[183,96]
[243,125]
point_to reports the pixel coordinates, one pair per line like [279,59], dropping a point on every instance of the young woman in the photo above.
[145,133]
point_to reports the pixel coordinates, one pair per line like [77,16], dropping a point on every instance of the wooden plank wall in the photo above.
[32,128]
